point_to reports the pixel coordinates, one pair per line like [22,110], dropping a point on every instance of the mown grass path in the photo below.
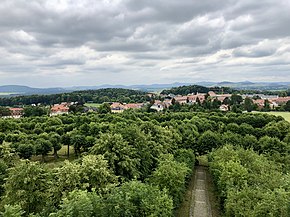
[200,205]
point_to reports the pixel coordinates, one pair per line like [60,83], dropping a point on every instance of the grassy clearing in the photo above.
[95,105]
[285,115]
[62,153]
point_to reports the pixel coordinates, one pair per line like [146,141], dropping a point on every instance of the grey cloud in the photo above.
[73,38]
[177,11]
[258,52]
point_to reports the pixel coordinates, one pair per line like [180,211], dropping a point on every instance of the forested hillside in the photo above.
[96,96]
[184,90]
[138,164]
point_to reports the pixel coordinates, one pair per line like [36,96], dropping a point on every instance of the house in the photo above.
[212,94]
[281,100]
[90,109]
[219,97]
[157,106]
[117,107]
[259,102]
[133,105]
[273,105]
[167,103]
[222,97]
[16,112]
[151,94]
[59,109]
[224,108]
[191,99]
[181,99]
[260,96]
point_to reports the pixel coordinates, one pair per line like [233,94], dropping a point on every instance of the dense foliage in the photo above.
[113,150]
[137,163]
[250,184]
[96,96]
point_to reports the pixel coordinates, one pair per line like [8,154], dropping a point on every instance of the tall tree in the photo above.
[66,140]
[236,99]
[287,106]
[55,140]
[120,155]
[208,141]
[43,147]
[25,150]
[4,111]
[248,104]
[105,108]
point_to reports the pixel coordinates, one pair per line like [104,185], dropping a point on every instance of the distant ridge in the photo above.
[15,90]
[25,90]
[138,87]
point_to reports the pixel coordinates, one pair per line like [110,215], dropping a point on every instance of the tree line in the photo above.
[185,90]
[95,96]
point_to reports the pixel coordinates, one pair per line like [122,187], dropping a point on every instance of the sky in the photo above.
[53,43]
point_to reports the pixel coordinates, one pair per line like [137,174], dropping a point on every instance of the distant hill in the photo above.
[243,85]
[18,90]
[262,86]
[25,90]
[143,87]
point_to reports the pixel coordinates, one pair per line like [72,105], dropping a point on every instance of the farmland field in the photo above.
[6,93]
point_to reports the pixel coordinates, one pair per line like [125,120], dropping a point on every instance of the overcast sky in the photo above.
[48,43]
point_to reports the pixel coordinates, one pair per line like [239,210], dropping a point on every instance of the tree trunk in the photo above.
[55,154]
[68,151]
[42,158]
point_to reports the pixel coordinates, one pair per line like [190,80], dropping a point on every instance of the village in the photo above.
[159,105]
[165,101]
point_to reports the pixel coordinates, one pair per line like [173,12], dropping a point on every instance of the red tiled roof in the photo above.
[281,99]
[211,93]
[117,105]
[134,105]
[59,108]
[16,109]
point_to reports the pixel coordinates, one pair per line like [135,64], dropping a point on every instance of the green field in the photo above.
[96,105]
[285,115]
[6,93]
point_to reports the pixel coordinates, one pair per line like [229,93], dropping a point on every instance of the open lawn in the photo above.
[285,115]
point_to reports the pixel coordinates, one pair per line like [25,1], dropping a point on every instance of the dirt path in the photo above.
[200,204]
